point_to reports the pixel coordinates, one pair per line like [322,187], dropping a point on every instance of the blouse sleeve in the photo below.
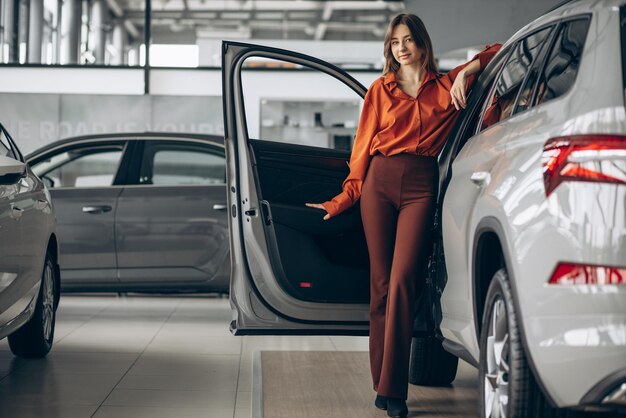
[483,56]
[359,160]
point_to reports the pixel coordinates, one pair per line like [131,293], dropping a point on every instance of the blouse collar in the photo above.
[391,81]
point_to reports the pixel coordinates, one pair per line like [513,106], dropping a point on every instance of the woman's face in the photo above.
[403,47]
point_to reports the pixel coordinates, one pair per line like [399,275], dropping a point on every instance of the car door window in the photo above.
[559,72]
[326,115]
[172,164]
[506,88]
[83,167]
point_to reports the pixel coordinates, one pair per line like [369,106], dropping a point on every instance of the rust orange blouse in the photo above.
[393,122]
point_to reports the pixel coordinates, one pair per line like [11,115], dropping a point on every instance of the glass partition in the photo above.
[72,32]
[187,33]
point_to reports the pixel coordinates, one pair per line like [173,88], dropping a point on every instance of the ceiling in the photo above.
[183,21]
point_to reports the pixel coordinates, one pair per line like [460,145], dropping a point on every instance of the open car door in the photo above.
[292,272]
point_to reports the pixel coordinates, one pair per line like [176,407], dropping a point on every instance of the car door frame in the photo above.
[257,306]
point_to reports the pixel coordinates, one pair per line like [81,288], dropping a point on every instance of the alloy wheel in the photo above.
[498,354]
[48,300]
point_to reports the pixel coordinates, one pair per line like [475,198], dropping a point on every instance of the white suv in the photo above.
[532,220]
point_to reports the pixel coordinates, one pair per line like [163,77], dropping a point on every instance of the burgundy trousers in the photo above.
[397,208]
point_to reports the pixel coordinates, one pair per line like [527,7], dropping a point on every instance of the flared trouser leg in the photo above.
[397,212]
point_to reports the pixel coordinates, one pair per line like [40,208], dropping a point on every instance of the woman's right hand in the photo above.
[318,206]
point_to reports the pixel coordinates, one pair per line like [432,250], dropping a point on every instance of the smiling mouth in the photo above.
[403,56]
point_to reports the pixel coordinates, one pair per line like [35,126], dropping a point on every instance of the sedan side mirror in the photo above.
[11,170]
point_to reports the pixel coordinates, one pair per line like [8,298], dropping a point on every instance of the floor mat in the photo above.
[328,384]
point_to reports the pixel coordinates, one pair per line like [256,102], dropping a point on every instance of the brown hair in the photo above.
[420,37]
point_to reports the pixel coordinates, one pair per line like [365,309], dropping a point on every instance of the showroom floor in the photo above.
[144,357]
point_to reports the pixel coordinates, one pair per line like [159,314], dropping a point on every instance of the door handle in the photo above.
[480,178]
[219,206]
[96,209]
[41,204]
[16,213]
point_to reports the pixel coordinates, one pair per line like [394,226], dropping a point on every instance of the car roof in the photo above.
[565,10]
[130,136]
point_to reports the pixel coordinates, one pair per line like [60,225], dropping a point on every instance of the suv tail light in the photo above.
[570,273]
[592,158]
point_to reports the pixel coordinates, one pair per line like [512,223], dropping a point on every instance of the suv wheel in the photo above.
[507,386]
[430,364]
[34,339]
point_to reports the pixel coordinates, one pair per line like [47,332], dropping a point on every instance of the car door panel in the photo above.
[282,251]
[174,235]
[87,239]
[85,200]
[319,261]
[170,234]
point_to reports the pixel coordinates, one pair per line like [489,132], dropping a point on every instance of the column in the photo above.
[35,31]
[70,31]
[119,43]
[97,27]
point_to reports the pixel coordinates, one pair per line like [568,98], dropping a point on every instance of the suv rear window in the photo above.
[561,67]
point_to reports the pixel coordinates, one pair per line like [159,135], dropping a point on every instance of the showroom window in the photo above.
[70,32]
[80,167]
[181,164]
[510,80]
[184,33]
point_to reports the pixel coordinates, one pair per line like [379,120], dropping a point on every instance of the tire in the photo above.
[34,338]
[501,332]
[430,364]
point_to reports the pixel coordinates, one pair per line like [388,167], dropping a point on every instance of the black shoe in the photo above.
[381,402]
[396,408]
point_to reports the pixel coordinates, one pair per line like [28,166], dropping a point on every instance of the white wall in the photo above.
[71,80]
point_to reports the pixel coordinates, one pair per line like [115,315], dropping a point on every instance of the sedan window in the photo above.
[81,167]
[171,164]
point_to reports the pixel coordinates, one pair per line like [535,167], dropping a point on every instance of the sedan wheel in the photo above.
[48,301]
[34,338]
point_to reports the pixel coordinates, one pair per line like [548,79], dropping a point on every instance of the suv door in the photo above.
[81,179]
[171,226]
[291,271]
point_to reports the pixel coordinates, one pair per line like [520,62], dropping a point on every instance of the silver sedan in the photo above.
[29,272]
[139,212]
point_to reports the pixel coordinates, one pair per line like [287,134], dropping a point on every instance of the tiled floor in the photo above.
[143,357]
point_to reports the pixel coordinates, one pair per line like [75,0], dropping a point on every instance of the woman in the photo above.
[406,118]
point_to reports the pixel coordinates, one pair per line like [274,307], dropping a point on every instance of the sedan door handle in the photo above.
[480,178]
[96,209]
[218,206]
